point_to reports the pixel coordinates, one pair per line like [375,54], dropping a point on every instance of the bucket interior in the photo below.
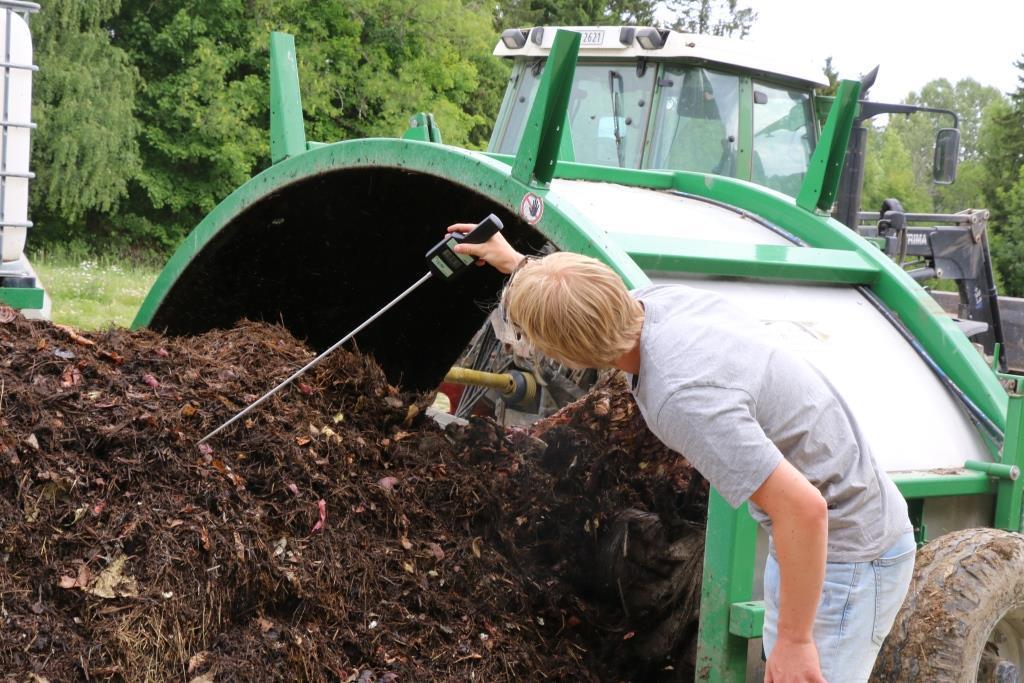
[324,254]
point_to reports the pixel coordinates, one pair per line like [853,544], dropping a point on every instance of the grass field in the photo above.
[93,293]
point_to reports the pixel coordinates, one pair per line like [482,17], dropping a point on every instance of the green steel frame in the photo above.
[22,297]
[833,254]
[759,261]
[562,224]
[826,166]
[287,129]
[745,148]
[727,581]
[914,307]
[542,139]
[422,127]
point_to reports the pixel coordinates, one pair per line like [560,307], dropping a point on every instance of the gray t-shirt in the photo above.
[718,387]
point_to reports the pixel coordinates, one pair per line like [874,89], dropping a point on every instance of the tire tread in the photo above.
[964,582]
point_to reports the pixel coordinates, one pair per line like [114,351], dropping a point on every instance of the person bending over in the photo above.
[760,424]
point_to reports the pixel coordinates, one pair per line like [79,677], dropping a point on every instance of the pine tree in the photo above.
[1002,149]
[85,150]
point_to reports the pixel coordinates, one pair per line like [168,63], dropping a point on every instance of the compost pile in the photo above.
[338,534]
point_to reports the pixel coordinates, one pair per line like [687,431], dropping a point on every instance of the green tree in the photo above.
[365,66]
[84,152]
[406,66]
[712,17]
[832,76]
[888,173]
[525,13]
[968,191]
[200,108]
[1002,152]
[970,100]
[1008,237]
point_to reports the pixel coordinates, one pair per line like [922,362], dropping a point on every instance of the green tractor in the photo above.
[672,158]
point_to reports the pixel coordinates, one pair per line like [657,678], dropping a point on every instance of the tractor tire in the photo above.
[963,618]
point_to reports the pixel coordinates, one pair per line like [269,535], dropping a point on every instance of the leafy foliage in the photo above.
[1002,145]
[200,109]
[832,76]
[888,173]
[84,151]
[991,171]
[969,99]
[151,113]
[887,167]
[714,17]
[1002,150]
[524,13]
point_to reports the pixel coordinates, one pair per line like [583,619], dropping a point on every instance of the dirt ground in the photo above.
[338,534]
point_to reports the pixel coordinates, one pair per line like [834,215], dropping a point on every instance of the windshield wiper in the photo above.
[616,111]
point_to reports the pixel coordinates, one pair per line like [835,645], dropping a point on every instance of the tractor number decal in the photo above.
[531,208]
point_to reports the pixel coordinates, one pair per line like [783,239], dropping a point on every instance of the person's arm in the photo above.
[715,429]
[800,529]
[495,251]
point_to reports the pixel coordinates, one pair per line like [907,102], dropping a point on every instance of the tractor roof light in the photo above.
[651,38]
[537,35]
[514,38]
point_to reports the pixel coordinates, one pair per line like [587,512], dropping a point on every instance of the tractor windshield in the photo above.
[674,116]
[608,112]
[698,121]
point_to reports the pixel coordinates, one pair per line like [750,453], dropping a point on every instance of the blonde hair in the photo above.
[574,309]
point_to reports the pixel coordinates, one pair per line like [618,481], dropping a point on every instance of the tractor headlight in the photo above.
[514,38]
[650,38]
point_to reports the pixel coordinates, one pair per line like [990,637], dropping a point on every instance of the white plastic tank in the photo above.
[896,398]
[16,69]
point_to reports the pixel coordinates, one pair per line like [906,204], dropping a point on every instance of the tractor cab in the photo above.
[653,99]
[647,98]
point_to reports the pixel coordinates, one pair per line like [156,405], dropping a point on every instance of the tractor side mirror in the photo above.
[947,153]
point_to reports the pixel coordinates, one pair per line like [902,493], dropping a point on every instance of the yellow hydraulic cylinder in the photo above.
[515,386]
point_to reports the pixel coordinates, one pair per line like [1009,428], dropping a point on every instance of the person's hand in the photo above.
[793,662]
[495,251]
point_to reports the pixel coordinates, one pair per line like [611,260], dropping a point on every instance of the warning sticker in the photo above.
[531,208]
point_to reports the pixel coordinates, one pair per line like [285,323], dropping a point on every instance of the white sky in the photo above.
[914,41]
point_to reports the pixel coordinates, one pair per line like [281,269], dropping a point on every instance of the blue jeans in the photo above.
[859,602]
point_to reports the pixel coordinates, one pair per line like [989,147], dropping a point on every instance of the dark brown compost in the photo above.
[337,535]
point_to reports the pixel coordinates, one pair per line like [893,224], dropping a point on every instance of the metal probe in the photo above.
[319,358]
[443,261]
